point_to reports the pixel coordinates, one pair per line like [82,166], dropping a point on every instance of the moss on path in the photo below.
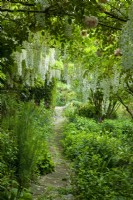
[57,185]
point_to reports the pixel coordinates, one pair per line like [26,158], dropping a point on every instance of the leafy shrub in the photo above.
[118,126]
[70,112]
[126,127]
[8,151]
[44,164]
[8,105]
[111,126]
[83,124]
[90,110]
[87,110]
[102,161]
[101,171]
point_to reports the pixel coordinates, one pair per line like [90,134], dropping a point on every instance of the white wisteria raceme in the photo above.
[115,81]
[58,74]
[127,42]
[105,85]
[18,59]
[24,54]
[90,82]
[29,57]
[85,89]
[27,78]
[52,56]
[36,60]
[46,63]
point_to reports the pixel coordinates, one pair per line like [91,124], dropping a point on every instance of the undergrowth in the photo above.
[102,158]
[24,148]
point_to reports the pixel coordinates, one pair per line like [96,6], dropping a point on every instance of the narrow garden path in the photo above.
[56,185]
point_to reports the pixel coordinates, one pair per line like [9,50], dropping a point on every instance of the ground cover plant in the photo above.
[102,157]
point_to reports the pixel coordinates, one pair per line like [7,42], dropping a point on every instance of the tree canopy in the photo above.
[90,34]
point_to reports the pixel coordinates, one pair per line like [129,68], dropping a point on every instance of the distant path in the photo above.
[57,185]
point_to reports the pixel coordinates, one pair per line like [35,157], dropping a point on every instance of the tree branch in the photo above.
[112,27]
[118,10]
[49,10]
[130,90]
[22,10]
[127,108]
[23,3]
[114,16]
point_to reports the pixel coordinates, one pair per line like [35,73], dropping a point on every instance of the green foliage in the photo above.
[102,158]
[50,93]
[32,132]
[44,164]
[84,124]
[41,91]
[70,112]
[118,126]
[25,127]
[8,104]
[2,78]
[26,196]
[127,42]
[64,94]
[87,110]
[61,94]
[25,130]
[8,149]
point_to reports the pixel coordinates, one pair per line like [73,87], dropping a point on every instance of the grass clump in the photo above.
[24,148]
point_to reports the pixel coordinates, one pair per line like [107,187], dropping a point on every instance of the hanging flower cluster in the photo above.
[36,60]
[91,81]
[91,21]
[127,42]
